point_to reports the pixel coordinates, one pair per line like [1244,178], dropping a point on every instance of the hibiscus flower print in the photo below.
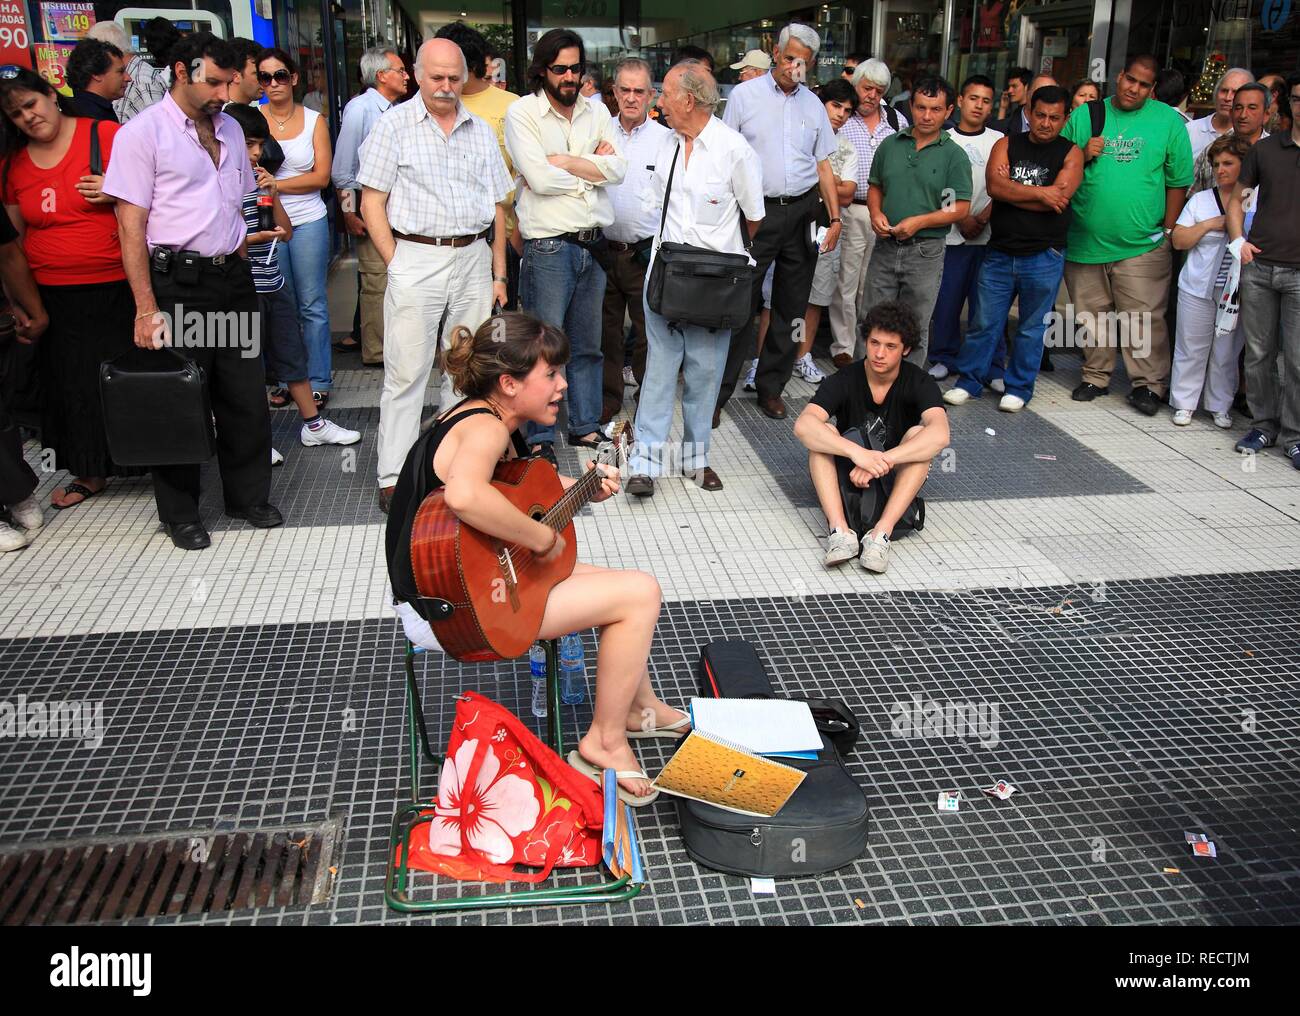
[489,814]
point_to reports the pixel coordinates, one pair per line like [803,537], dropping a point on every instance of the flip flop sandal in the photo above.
[75,488]
[593,441]
[673,731]
[279,398]
[596,773]
[322,399]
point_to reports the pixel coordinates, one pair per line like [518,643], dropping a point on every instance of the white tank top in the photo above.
[299,158]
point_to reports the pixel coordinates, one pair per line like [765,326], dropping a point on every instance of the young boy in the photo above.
[283,349]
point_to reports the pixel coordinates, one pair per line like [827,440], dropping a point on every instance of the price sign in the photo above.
[15,34]
[51,60]
[67,22]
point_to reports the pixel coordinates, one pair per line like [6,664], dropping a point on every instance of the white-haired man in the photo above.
[384,75]
[433,187]
[715,185]
[1204,131]
[786,124]
[145,84]
[874,121]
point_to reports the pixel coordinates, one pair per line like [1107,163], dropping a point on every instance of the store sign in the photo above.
[66,22]
[1274,14]
[1055,45]
[15,33]
[51,62]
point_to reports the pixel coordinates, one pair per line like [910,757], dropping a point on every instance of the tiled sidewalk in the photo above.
[1125,591]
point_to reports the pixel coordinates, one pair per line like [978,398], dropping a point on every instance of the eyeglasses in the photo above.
[280,77]
[395,70]
[10,71]
[559,70]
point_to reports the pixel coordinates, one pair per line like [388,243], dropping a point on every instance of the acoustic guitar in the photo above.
[485,599]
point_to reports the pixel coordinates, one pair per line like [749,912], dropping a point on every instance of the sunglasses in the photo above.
[280,77]
[559,70]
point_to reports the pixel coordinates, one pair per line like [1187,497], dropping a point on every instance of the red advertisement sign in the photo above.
[15,34]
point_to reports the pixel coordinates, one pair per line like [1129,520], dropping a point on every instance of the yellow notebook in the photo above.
[723,774]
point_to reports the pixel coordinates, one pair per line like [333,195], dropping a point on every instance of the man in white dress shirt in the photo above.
[567,154]
[716,182]
[434,186]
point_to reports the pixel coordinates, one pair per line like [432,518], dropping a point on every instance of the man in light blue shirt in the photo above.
[385,77]
[787,126]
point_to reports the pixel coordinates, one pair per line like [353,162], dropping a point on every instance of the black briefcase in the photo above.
[157,411]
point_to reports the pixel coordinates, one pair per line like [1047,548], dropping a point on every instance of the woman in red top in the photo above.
[69,233]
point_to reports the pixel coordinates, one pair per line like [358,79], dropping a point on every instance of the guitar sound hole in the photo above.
[537,516]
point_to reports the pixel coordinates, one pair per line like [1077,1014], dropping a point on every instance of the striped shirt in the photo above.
[865,142]
[266,277]
[437,184]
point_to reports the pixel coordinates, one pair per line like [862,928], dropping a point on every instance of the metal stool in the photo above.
[409,817]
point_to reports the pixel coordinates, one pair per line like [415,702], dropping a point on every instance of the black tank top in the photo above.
[415,482]
[1021,231]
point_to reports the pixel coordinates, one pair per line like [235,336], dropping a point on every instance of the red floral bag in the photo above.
[506,799]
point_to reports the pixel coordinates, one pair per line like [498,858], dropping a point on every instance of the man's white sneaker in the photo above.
[841,546]
[998,385]
[329,433]
[11,538]
[1223,421]
[276,458]
[956,396]
[1182,417]
[875,552]
[749,377]
[808,370]
[1011,403]
[939,371]
[28,513]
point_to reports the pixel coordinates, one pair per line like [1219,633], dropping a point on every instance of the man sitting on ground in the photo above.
[906,400]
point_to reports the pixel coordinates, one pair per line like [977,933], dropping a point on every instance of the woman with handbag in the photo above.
[510,372]
[303,136]
[699,284]
[51,172]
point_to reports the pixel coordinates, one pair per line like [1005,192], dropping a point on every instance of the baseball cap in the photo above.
[754,58]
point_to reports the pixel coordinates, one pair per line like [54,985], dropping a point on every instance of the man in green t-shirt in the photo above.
[920,185]
[1118,255]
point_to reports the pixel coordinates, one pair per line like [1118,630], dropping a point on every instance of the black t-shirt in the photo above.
[846,397]
[1022,231]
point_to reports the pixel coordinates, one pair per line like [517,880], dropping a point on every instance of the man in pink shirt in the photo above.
[179,172]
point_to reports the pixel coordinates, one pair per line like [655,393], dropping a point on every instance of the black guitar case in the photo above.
[824,824]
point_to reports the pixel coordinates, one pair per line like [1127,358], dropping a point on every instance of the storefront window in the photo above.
[910,37]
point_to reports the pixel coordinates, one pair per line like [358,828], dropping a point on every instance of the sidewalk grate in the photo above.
[89,881]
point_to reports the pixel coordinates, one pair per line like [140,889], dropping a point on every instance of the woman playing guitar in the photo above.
[509,369]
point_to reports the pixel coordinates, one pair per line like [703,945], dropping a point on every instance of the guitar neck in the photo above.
[587,487]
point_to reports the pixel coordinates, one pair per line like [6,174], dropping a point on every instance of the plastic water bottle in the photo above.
[537,667]
[573,671]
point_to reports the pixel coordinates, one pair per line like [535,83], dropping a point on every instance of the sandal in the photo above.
[279,398]
[593,440]
[673,730]
[346,345]
[322,399]
[76,488]
[596,773]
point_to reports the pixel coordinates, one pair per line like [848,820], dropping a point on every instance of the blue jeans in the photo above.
[961,269]
[1035,278]
[702,357]
[304,263]
[563,286]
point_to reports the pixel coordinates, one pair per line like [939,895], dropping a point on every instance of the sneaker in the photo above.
[1293,453]
[1011,403]
[276,459]
[1255,441]
[841,546]
[998,385]
[956,396]
[1223,421]
[875,552]
[28,514]
[1144,400]
[1182,417]
[1087,391]
[629,379]
[328,433]
[749,377]
[808,370]
[939,371]
[11,538]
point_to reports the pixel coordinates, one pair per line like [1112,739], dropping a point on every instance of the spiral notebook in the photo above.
[763,726]
[718,772]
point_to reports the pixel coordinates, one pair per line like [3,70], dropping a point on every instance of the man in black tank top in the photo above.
[1031,178]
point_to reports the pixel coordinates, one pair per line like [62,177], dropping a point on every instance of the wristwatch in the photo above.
[835,220]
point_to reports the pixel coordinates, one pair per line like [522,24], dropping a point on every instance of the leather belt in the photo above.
[859,201]
[216,259]
[789,199]
[620,246]
[443,241]
[581,236]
